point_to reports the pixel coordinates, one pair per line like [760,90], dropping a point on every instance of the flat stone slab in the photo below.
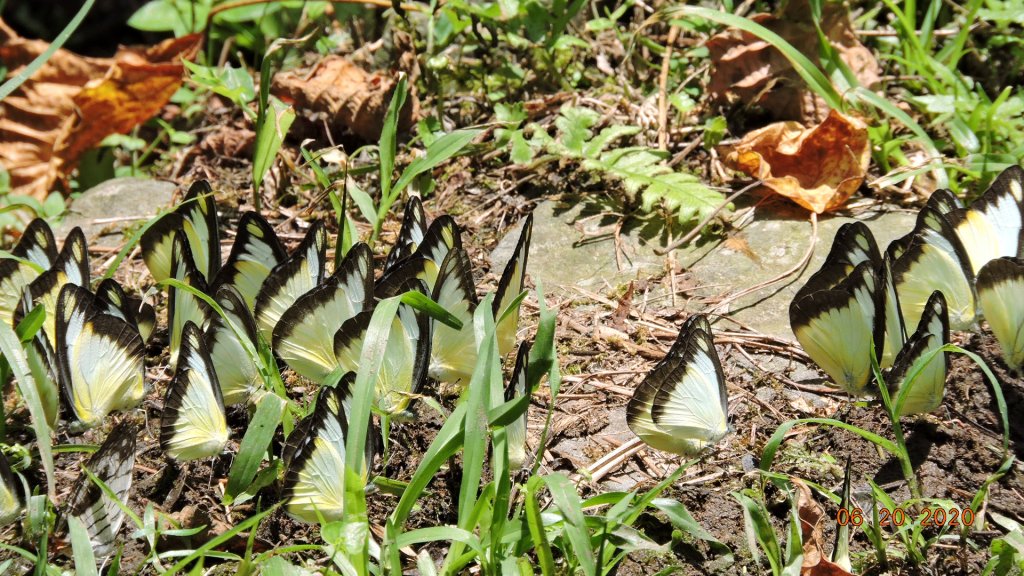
[772,245]
[107,209]
[573,248]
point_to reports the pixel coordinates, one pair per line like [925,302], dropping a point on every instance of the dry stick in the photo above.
[696,229]
[673,33]
[761,285]
[612,460]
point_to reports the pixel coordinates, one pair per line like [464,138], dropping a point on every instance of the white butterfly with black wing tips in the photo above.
[682,404]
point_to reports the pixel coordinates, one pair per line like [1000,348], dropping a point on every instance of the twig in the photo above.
[612,460]
[700,226]
[666,61]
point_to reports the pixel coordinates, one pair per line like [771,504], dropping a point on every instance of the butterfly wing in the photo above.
[838,327]
[304,336]
[992,226]
[315,460]
[895,330]
[101,514]
[256,251]
[184,306]
[37,244]
[11,501]
[289,280]
[406,357]
[854,243]
[100,358]
[511,284]
[927,388]
[237,374]
[453,352]
[515,432]
[193,424]
[414,228]
[1001,298]
[199,222]
[935,260]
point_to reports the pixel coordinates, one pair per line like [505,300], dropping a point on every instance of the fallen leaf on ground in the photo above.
[819,168]
[749,71]
[816,562]
[73,102]
[339,94]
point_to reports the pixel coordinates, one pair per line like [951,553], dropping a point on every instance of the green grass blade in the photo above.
[563,491]
[11,85]
[890,109]
[10,346]
[85,560]
[779,436]
[388,136]
[808,71]
[545,559]
[254,445]
[442,149]
[207,548]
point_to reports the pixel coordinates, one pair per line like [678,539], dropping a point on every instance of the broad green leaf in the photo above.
[258,435]
[270,134]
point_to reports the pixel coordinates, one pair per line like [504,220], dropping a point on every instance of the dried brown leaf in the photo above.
[751,71]
[73,102]
[819,168]
[342,95]
[816,562]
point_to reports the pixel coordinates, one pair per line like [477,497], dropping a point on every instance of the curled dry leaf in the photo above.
[816,562]
[339,94]
[73,102]
[819,168]
[749,71]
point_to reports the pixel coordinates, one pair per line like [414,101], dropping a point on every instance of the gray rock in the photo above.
[104,211]
[776,245]
[571,247]
[568,251]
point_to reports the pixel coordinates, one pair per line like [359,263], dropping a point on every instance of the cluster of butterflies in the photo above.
[93,343]
[958,263]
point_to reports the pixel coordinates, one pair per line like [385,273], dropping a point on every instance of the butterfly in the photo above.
[304,336]
[515,433]
[935,259]
[100,358]
[35,252]
[196,217]
[182,305]
[296,275]
[256,251]
[239,376]
[510,286]
[854,244]
[414,228]
[838,326]
[406,355]
[11,501]
[993,225]
[443,236]
[194,424]
[1001,297]
[927,387]
[315,457]
[453,352]
[101,514]
[70,267]
[682,404]
[135,312]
